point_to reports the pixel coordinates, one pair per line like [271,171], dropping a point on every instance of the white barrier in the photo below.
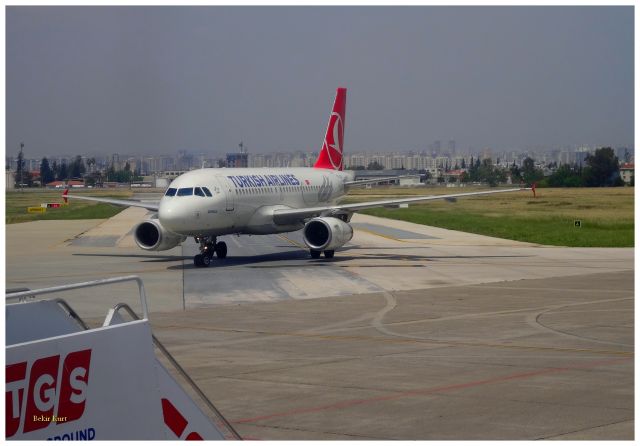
[65,382]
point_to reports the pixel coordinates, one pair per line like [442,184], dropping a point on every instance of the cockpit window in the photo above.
[199,192]
[170,192]
[207,191]
[185,191]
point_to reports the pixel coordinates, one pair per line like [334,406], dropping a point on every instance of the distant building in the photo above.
[171,174]
[10,178]
[453,175]
[61,184]
[237,160]
[56,184]
[626,172]
[410,178]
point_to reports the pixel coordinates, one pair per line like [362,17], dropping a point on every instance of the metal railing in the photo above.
[72,313]
[18,290]
[93,283]
[183,373]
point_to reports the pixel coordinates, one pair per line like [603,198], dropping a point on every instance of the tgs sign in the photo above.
[46,391]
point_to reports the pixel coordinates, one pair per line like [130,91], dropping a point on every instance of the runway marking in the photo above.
[328,264]
[532,320]
[498,313]
[293,242]
[410,265]
[384,235]
[399,340]
[430,391]
[581,290]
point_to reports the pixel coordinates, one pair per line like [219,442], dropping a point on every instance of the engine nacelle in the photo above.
[326,233]
[151,236]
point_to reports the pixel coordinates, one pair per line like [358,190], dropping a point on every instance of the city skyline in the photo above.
[435,147]
[410,160]
[163,79]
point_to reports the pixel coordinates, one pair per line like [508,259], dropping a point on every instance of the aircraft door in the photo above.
[229,191]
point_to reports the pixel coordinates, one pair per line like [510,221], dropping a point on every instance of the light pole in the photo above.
[21,165]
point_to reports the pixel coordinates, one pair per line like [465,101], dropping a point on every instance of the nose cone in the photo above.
[170,215]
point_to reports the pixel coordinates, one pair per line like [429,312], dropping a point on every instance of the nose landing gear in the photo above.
[209,248]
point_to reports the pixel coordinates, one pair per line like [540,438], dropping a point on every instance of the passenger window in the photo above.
[185,191]
[199,192]
[170,192]
[207,192]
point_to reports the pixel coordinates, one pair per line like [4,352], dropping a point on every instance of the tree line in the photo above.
[75,170]
[62,171]
[599,170]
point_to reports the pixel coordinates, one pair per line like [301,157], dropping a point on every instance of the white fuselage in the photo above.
[243,200]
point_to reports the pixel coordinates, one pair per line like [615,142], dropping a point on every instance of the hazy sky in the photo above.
[160,79]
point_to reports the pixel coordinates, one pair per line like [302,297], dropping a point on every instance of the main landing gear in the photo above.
[209,248]
[315,254]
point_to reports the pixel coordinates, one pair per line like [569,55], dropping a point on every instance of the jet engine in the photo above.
[326,233]
[151,236]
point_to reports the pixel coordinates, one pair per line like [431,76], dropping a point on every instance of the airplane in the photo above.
[211,202]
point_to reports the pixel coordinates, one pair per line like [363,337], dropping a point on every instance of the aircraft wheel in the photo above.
[221,250]
[206,260]
[197,260]
[315,254]
[329,254]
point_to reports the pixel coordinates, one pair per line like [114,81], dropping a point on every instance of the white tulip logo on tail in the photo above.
[330,156]
[335,150]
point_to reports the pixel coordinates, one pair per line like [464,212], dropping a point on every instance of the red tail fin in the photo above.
[64,195]
[331,154]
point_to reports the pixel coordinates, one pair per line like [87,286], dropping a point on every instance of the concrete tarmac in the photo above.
[410,332]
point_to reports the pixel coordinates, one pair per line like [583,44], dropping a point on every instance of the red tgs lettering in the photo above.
[15,375]
[41,397]
[73,389]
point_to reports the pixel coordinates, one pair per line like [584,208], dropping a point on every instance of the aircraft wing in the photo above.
[284,216]
[127,203]
[375,180]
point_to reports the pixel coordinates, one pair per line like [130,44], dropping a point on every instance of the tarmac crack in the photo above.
[399,338]
[290,367]
[534,321]
[319,432]
[346,404]
[392,303]
[585,429]
[309,384]
[544,403]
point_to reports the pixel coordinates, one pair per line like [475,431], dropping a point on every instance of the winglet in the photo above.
[533,189]
[65,196]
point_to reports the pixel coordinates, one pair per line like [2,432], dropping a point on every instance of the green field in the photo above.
[17,203]
[606,214]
